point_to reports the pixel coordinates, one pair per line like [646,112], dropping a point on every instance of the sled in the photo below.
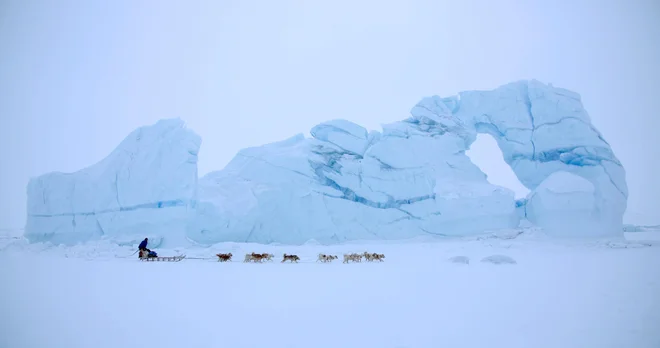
[164,258]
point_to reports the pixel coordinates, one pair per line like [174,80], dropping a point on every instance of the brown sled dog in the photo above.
[254,257]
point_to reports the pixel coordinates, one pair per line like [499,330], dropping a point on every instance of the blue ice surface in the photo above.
[345,183]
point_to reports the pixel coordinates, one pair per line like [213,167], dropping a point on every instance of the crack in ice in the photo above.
[153,205]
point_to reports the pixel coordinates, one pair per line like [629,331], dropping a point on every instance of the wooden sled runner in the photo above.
[164,258]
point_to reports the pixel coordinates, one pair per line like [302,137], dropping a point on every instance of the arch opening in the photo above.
[486,154]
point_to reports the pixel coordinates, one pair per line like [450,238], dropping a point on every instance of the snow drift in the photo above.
[345,183]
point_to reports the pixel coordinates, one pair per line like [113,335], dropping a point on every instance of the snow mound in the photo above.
[460,259]
[499,260]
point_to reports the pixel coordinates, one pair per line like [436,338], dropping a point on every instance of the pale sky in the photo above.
[76,77]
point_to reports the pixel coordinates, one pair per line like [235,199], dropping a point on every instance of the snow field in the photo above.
[573,295]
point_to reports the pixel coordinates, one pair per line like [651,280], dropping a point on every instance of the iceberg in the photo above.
[563,206]
[347,183]
[344,184]
[146,186]
[543,130]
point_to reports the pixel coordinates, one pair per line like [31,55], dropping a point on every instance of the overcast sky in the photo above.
[77,76]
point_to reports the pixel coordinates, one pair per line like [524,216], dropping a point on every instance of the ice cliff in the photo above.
[146,186]
[345,183]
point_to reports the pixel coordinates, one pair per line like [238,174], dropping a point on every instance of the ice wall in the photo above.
[346,183]
[414,178]
[146,186]
[564,205]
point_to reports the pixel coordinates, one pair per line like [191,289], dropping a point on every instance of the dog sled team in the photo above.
[147,254]
[254,257]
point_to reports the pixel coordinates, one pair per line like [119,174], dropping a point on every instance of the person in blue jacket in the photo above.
[143,247]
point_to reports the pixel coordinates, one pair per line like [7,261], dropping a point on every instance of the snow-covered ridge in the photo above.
[346,183]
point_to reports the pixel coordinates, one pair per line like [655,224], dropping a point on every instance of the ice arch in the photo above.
[542,130]
[486,154]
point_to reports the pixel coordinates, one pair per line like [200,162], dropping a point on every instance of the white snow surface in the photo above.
[560,293]
[346,183]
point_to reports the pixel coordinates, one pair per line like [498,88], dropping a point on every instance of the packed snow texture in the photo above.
[147,186]
[576,295]
[345,183]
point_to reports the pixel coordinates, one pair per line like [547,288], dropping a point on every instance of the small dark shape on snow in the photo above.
[499,260]
[460,259]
